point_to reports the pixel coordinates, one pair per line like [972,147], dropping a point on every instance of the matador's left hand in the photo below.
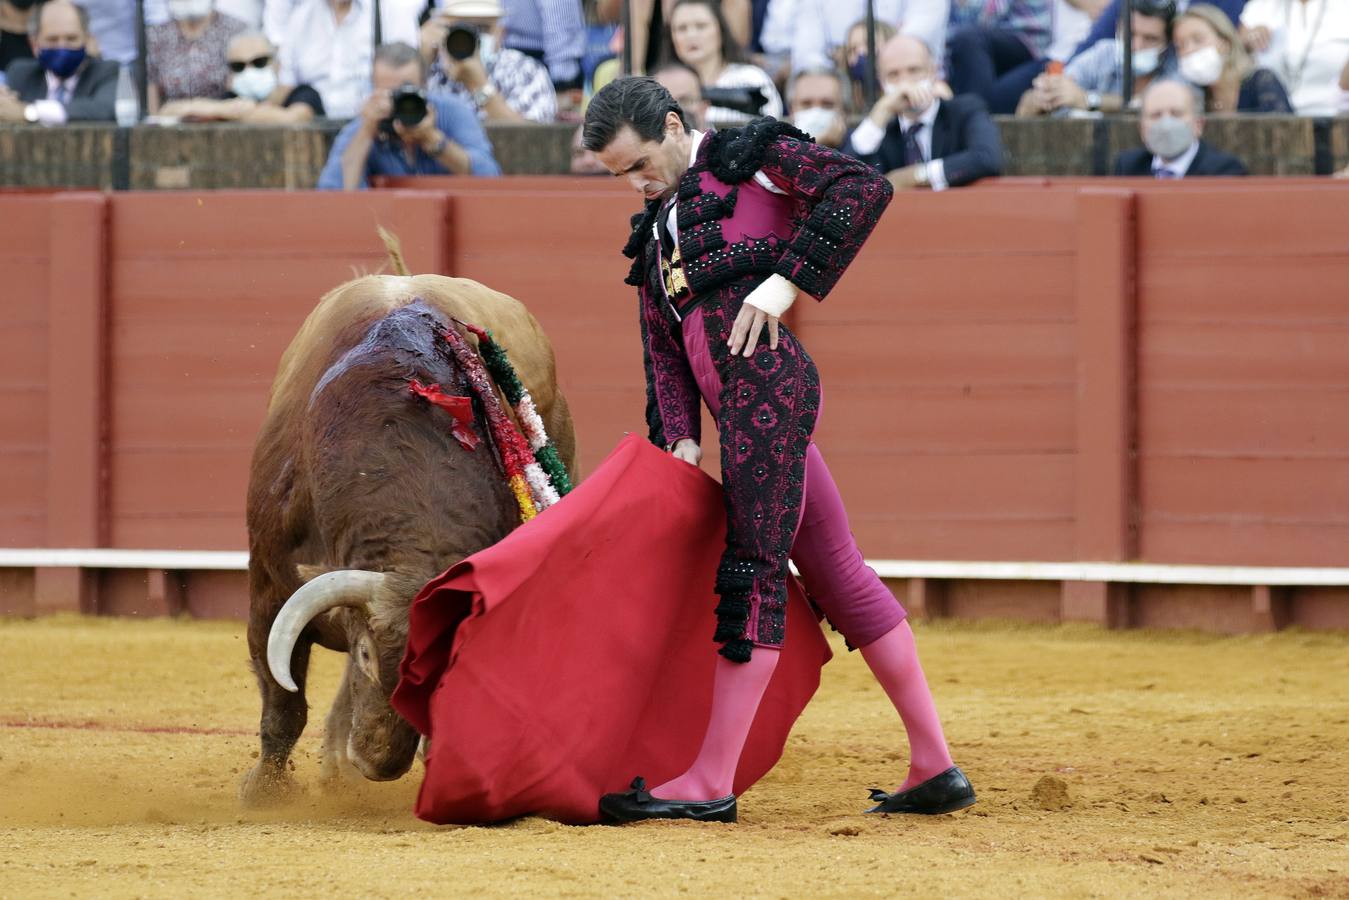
[764,305]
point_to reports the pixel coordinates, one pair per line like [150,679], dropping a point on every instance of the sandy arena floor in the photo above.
[1194,766]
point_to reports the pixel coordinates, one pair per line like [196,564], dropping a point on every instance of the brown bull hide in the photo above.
[351,472]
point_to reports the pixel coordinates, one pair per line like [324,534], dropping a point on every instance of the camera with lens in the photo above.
[461,42]
[750,101]
[409,108]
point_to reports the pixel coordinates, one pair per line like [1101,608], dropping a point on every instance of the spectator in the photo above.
[1094,81]
[698,37]
[853,58]
[64,84]
[997,47]
[1305,43]
[504,85]
[583,161]
[553,32]
[1171,122]
[824,27]
[1107,22]
[327,44]
[185,58]
[918,138]
[112,24]
[389,140]
[1213,59]
[14,31]
[256,94]
[817,102]
[1073,20]
[648,20]
[687,88]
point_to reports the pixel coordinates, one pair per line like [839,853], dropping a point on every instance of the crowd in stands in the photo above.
[417,86]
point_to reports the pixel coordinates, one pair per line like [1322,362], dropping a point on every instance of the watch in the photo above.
[483,94]
[1093,101]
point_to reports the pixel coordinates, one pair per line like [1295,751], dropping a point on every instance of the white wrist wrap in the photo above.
[775,296]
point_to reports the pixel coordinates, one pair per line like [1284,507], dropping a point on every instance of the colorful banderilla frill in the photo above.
[532,467]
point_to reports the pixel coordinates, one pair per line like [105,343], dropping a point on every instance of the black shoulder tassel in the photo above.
[735,154]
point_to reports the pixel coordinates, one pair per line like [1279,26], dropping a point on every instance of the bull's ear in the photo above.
[309,573]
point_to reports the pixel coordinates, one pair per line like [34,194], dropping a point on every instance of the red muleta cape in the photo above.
[577,653]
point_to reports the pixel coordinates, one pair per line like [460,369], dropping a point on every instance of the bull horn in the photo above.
[328,591]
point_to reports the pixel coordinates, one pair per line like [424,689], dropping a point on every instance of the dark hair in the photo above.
[731,51]
[1157,9]
[635,101]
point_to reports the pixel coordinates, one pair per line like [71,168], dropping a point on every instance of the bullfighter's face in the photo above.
[652,167]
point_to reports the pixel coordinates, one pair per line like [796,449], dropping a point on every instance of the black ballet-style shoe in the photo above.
[637,805]
[945,793]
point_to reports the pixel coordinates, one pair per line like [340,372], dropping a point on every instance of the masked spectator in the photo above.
[402,131]
[852,57]
[1106,24]
[14,31]
[255,94]
[997,47]
[1213,59]
[63,84]
[503,84]
[1305,43]
[699,38]
[185,57]
[817,102]
[823,28]
[326,44]
[1094,81]
[1171,123]
[919,138]
[687,88]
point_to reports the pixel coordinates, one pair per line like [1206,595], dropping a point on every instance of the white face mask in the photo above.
[1169,137]
[189,9]
[815,121]
[1145,61]
[1202,67]
[255,84]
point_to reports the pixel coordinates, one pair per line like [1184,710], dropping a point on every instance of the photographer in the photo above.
[462,44]
[402,132]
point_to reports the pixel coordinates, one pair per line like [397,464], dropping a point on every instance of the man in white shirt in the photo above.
[1305,43]
[821,26]
[329,45]
[919,138]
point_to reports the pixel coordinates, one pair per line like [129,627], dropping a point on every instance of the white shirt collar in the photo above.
[54,84]
[1180,165]
[695,141]
[928,116]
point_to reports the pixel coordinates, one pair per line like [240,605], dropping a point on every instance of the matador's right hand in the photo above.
[688,450]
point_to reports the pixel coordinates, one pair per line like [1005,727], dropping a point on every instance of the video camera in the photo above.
[750,101]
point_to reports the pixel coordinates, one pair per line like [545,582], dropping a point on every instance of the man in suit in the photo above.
[63,84]
[917,137]
[1171,123]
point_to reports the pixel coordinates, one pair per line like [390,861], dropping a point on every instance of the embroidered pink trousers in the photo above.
[836,577]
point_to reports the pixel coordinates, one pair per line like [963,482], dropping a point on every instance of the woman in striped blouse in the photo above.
[699,38]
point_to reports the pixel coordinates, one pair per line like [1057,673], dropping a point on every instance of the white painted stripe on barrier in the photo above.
[1141,573]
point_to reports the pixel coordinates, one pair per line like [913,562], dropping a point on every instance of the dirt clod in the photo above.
[1051,793]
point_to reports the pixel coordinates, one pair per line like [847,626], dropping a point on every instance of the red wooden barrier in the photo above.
[1105,370]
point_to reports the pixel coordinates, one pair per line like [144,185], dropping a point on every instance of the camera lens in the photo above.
[461,43]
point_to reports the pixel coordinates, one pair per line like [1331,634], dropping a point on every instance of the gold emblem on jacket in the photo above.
[673,270]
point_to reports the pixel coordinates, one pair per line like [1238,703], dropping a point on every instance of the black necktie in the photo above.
[913,151]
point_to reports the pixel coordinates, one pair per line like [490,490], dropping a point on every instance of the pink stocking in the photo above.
[736,692]
[893,659]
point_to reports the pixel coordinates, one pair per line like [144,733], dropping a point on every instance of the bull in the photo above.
[359,494]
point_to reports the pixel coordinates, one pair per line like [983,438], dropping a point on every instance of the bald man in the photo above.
[917,134]
[1171,122]
[63,83]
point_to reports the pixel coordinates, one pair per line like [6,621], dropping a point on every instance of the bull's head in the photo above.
[381,744]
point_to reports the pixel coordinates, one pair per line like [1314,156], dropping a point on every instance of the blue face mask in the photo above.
[60,61]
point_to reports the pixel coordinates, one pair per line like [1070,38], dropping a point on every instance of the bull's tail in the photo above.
[395,249]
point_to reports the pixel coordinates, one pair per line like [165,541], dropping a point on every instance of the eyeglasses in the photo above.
[258,62]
